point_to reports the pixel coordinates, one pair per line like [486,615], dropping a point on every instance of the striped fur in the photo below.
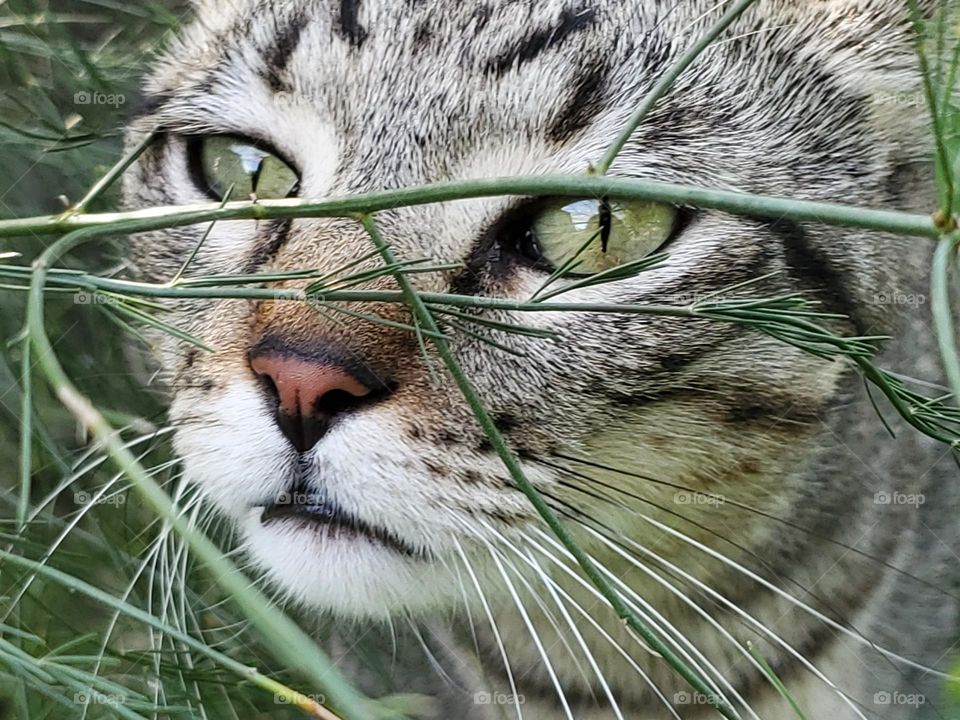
[800,99]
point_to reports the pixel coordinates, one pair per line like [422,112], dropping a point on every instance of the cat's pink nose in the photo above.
[309,394]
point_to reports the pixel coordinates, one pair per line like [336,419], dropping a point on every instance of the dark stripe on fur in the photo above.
[584,103]
[269,244]
[350,28]
[281,50]
[570,22]
[151,103]
[810,266]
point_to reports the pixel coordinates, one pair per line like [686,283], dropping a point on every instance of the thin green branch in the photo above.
[737,203]
[26,434]
[250,674]
[104,183]
[788,319]
[936,119]
[944,262]
[417,305]
[200,243]
[281,634]
[666,81]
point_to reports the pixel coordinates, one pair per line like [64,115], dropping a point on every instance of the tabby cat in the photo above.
[740,493]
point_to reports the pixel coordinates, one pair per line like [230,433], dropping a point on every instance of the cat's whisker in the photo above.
[560,634]
[468,566]
[577,636]
[593,480]
[69,526]
[534,635]
[586,615]
[686,600]
[178,558]
[149,561]
[179,582]
[751,620]
[791,599]
[87,468]
[437,666]
[852,631]
[647,613]
[668,632]
[189,502]
[471,624]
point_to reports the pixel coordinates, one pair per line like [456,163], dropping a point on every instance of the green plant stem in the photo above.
[936,120]
[126,287]
[784,324]
[281,634]
[944,261]
[419,307]
[110,177]
[775,680]
[551,185]
[247,673]
[666,81]
[26,435]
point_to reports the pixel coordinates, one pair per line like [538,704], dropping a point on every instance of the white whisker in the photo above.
[599,628]
[787,596]
[668,632]
[576,634]
[548,666]
[493,626]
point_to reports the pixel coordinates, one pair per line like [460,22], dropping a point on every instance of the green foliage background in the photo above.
[54,143]
[52,146]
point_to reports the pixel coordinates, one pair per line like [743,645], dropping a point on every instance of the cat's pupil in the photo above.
[606,224]
[528,246]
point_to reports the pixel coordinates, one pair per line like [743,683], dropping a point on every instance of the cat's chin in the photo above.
[346,573]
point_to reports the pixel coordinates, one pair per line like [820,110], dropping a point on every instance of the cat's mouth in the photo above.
[324,515]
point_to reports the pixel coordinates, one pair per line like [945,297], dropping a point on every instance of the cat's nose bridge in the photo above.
[341,251]
[343,258]
[370,330]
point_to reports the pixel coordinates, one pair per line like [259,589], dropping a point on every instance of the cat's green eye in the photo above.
[242,170]
[590,236]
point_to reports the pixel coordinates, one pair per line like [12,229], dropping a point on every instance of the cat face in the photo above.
[397,483]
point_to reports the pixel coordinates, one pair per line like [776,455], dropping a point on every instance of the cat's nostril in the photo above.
[335,401]
[309,394]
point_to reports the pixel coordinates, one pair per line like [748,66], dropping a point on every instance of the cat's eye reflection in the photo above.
[589,236]
[248,171]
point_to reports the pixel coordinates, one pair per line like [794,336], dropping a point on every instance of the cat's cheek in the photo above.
[231,449]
